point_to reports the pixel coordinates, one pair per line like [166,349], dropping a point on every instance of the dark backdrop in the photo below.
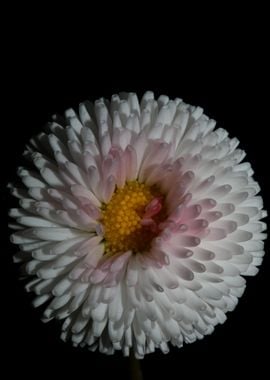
[228,79]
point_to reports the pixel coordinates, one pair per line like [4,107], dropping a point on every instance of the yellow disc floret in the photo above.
[121,218]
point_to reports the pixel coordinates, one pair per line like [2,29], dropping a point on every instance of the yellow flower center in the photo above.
[125,221]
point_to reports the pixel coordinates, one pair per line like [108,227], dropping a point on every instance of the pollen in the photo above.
[130,219]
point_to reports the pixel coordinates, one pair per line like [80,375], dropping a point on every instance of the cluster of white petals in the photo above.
[180,287]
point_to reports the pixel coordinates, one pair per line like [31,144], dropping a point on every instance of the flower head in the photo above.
[137,223]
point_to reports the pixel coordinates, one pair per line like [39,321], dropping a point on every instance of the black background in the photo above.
[223,71]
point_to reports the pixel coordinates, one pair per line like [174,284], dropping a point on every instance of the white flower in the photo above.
[137,223]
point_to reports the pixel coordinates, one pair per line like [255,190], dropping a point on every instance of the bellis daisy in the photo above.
[137,223]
